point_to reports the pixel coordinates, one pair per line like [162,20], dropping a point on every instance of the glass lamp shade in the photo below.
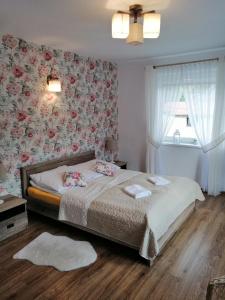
[151,26]
[54,85]
[135,36]
[120,26]
[111,144]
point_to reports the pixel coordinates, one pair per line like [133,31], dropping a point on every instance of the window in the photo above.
[181,131]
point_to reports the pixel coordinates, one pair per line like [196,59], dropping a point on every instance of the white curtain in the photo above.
[200,84]
[162,94]
[217,146]
[203,86]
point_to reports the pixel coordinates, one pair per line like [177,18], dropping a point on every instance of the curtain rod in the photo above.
[186,62]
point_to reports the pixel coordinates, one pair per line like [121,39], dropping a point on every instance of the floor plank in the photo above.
[181,272]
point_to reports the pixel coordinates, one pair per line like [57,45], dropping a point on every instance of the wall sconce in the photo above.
[54,84]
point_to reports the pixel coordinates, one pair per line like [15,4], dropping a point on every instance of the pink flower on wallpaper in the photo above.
[21,116]
[18,71]
[93,128]
[24,157]
[13,88]
[27,93]
[73,114]
[51,133]
[92,66]
[48,55]
[75,147]
[9,41]
[108,113]
[72,79]
[92,98]
[55,113]
[76,61]
[2,78]
[30,133]
[108,83]
[24,49]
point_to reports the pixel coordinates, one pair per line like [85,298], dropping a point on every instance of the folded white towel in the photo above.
[137,191]
[158,180]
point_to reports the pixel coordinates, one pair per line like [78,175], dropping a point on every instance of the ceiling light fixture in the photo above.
[135,25]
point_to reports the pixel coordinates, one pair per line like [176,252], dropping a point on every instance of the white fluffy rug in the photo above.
[60,252]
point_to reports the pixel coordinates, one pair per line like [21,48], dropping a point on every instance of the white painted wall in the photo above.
[132,125]
[176,160]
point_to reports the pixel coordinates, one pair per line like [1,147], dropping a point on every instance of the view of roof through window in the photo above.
[181,130]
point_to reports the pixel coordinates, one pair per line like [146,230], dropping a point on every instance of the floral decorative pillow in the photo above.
[106,168]
[72,179]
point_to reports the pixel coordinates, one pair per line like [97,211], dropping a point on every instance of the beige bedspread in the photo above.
[137,222]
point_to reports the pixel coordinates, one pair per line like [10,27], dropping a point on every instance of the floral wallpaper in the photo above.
[36,125]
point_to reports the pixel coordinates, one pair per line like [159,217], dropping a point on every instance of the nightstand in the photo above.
[13,216]
[121,164]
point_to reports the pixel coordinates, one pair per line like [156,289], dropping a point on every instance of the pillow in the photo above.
[106,168]
[87,169]
[51,179]
[72,179]
[83,167]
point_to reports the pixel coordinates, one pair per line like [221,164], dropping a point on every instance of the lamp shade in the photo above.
[110,144]
[151,26]
[54,85]
[2,172]
[135,36]
[120,26]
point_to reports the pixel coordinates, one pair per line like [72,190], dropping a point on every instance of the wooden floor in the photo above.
[195,254]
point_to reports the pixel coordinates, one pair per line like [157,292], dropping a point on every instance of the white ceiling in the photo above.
[84,26]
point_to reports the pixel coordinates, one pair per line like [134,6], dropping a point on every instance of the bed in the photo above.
[113,214]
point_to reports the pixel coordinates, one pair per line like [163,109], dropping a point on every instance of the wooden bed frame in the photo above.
[51,210]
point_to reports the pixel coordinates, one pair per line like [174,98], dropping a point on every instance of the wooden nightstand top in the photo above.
[11,201]
[121,164]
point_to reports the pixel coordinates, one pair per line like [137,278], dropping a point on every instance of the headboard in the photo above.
[51,164]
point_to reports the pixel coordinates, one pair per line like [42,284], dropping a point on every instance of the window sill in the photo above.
[182,145]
